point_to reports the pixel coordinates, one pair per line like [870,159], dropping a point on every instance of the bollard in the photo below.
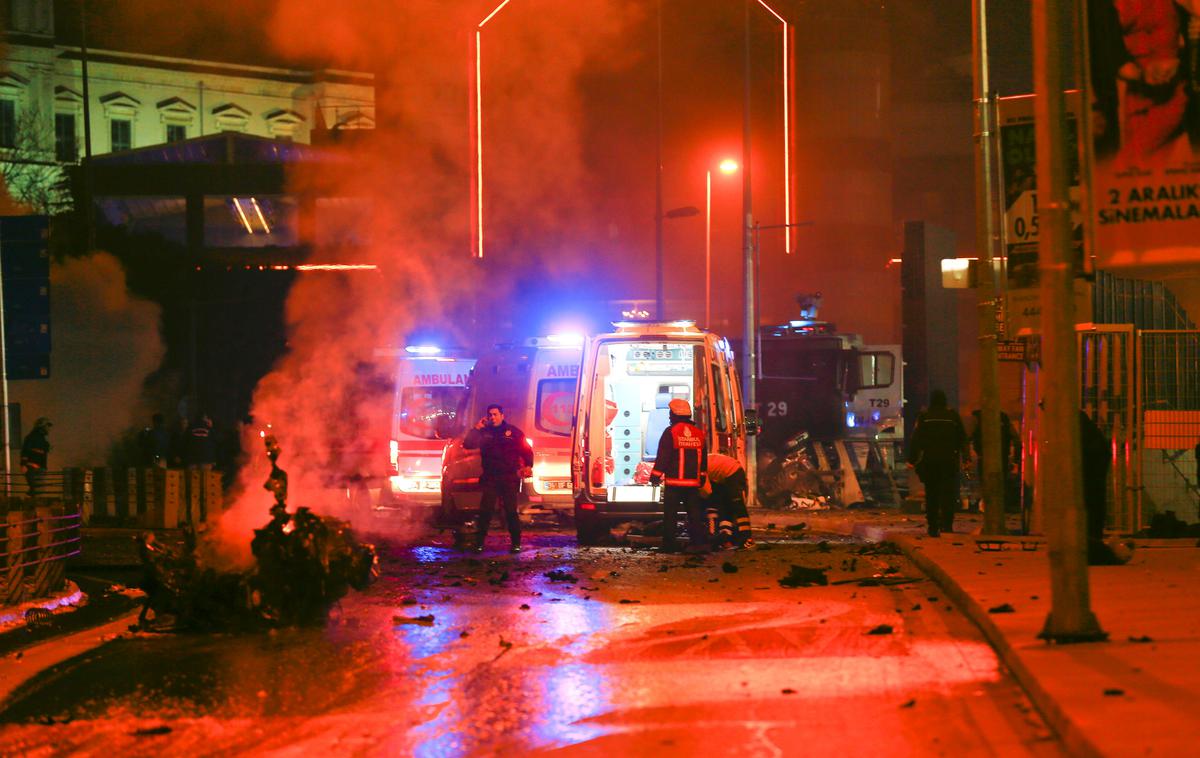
[48,571]
[12,587]
[87,494]
[214,496]
[149,515]
[131,494]
[195,493]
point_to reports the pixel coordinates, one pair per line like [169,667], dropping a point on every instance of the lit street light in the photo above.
[727,167]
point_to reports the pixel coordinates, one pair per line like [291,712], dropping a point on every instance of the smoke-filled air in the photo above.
[324,400]
[106,341]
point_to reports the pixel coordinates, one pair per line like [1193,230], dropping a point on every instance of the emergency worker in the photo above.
[681,464]
[507,458]
[35,453]
[937,451]
[725,490]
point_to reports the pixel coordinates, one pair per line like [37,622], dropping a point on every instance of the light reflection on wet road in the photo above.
[633,652]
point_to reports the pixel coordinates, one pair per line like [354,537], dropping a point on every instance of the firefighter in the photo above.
[507,458]
[681,464]
[937,451]
[35,451]
[725,490]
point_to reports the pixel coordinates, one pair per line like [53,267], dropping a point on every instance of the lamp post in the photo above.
[728,166]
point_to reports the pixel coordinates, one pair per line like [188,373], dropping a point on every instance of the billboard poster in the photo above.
[1019,230]
[1145,66]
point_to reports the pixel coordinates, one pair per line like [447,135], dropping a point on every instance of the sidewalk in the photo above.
[1138,694]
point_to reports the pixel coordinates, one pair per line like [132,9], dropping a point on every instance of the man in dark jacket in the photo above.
[937,450]
[506,458]
[35,452]
[682,465]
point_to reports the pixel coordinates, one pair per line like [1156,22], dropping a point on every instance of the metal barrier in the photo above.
[39,536]
[1169,401]
[150,498]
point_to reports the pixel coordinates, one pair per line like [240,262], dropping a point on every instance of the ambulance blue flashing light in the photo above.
[850,420]
[423,350]
[566,338]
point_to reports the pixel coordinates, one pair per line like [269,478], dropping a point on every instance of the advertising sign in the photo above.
[1020,231]
[1146,109]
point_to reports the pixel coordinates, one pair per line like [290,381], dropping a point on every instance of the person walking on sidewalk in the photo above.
[937,451]
[507,458]
[681,464]
[725,490]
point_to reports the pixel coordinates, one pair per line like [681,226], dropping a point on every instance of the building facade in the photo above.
[137,99]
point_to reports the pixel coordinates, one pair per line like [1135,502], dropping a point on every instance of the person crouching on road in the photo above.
[507,459]
[725,490]
[937,450]
[681,464]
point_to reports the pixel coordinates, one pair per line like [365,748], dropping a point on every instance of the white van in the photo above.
[431,389]
[536,383]
[629,378]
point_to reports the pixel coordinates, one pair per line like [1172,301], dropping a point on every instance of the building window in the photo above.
[121,132]
[8,123]
[66,147]
[176,132]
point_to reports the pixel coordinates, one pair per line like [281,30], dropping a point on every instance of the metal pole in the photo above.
[659,296]
[708,249]
[749,349]
[4,392]
[89,184]
[985,223]
[1070,618]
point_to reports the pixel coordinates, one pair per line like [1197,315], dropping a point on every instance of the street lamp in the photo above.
[728,166]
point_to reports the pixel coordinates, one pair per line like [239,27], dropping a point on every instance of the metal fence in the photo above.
[1169,399]
[39,535]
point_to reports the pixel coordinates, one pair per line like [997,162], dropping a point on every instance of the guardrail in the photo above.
[37,539]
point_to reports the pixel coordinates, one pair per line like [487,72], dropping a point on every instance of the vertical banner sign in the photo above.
[1018,177]
[1145,65]
[25,258]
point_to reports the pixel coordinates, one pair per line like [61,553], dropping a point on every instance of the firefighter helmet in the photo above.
[680,407]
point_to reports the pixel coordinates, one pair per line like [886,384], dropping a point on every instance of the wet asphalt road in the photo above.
[617,650]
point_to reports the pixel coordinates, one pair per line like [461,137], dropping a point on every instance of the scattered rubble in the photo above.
[801,576]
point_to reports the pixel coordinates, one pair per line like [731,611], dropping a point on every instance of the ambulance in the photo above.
[628,379]
[536,383]
[431,391]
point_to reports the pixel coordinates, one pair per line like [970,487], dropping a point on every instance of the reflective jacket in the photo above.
[682,456]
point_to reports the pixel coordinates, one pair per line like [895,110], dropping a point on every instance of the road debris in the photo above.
[801,576]
[881,629]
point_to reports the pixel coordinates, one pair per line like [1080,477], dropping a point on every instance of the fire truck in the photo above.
[831,411]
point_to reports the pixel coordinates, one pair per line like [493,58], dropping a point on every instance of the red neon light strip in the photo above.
[787,141]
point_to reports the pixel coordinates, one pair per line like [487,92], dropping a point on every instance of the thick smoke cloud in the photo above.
[105,344]
[322,400]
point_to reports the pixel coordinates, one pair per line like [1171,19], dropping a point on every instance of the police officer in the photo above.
[507,458]
[35,452]
[937,450]
[725,490]
[682,464]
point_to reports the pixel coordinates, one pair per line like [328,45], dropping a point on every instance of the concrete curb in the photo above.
[1073,738]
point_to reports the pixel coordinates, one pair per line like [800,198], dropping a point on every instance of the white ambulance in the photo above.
[431,392]
[535,382]
[628,379]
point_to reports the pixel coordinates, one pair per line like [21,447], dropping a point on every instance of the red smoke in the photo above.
[413,173]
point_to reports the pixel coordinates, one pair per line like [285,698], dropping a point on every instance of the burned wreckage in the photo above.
[304,564]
